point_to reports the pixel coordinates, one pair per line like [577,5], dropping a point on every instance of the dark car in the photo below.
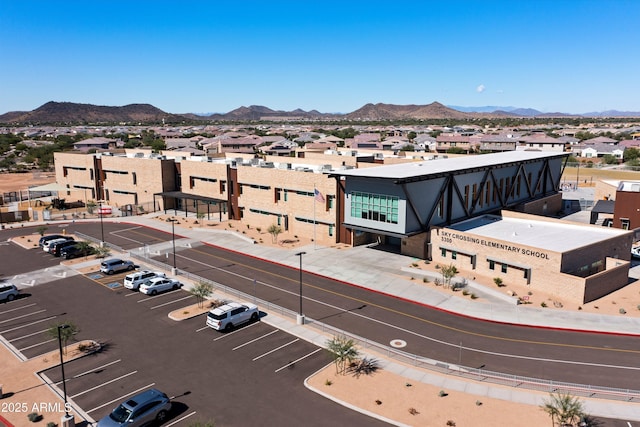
[45,239]
[75,250]
[55,249]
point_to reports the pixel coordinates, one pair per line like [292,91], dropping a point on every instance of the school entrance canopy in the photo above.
[185,202]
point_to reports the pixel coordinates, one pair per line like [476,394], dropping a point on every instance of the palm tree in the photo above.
[343,351]
[564,408]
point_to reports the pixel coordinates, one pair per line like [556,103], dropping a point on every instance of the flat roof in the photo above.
[439,166]
[553,236]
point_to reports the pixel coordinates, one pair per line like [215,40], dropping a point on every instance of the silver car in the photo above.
[115,265]
[142,409]
[8,292]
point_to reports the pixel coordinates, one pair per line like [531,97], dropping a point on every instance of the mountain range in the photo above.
[74,113]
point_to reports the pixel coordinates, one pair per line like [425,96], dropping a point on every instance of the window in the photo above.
[443,252]
[454,255]
[504,268]
[375,207]
[624,223]
[492,265]
[135,178]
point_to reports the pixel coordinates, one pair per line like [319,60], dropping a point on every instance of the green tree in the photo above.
[609,159]
[84,247]
[66,329]
[202,291]
[274,230]
[563,408]
[91,205]
[343,351]
[631,154]
[448,272]
[41,229]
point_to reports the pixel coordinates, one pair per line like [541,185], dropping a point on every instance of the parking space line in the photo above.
[103,384]
[203,328]
[180,419]
[120,398]
[28,335]
[255,339]
[275,349]
[24,315]
[28,324]
[19,308]
[297,360]
[95,369]
[148,298]
[228,334]
[37,345]
[132,294]
[170,302]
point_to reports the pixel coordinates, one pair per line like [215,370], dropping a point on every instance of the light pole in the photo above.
[174,270]
[101,223]
[67,420]
[300,317]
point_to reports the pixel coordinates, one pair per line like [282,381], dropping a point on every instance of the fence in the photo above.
[474,374]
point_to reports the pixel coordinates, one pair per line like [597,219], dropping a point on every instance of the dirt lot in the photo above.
[22,181]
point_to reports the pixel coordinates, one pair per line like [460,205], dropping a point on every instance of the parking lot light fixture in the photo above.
[64,383]
[101,223]
[300,318]
[174,270]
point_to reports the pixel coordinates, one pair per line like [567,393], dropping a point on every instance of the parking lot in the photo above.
[252,375]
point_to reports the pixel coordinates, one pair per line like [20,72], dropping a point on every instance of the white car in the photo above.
[231,314]
[159,284]
[134,280]
[635,252]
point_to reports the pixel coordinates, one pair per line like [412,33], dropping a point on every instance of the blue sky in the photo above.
[570,56]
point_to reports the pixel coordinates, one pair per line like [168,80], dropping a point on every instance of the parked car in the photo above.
[134,280]
[75,250]
[231,314]
[115,265]
[635,252]
[8,292]
[55,249]
[45,239]
[145,408]
[49,244]
[159,284]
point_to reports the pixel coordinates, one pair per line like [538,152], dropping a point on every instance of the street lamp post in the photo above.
[101,223]
[67,420]
[300,317]
[174,270]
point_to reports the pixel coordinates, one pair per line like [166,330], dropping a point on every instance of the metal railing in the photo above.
[468,373]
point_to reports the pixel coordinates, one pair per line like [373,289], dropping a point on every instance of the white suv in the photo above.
[231,314]
[134,280]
